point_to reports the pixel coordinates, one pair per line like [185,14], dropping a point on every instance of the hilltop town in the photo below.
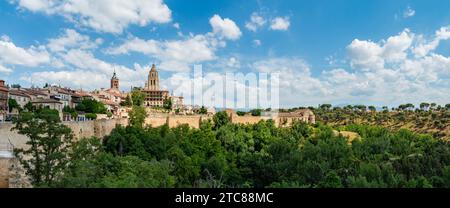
[13,98]
[112,103]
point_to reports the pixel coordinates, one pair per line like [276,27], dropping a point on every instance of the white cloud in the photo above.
[233,63]
[176,25]
[381,73]
[87,61]
[257,43]
[424,47]
[225,28]
[37,5]
[137,45]
[72,39]
[180,55]
[87,80]
[5,70]
[339,76]
[194,49]
[397,71]
[395,47]
[409,12]
[85,70]
[256,22]
[280,23]
[91,79]
[368,55]
[103,15]
[365,55]
[14,55]
[175,55]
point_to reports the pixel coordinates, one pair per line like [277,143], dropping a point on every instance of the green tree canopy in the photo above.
[12,104]
[168,104]
[127,102]
[48,141]
[91,106]
[137,97]
[137,116]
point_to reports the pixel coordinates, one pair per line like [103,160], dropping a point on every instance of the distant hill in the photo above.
[435,122]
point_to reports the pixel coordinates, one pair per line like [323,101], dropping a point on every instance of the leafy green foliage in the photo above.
[91,106]
[223,154]
[12,104]
[263,155]
[168,104]
[203,110]
[428,118]
[48,142]
[137,97]
[16,86]
[220,119]
[256,112]
[137,116]
[73,112]
[91,116]
[29,107]
[127,102]
[91,167]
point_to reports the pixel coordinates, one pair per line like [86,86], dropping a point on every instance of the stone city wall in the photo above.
[4,172]
[248,119]
[97,128]
[192,121]
[159,119]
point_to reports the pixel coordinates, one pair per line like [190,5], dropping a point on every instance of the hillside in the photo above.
[435,122]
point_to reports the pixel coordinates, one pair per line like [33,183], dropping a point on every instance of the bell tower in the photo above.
[153,79]
[115,81]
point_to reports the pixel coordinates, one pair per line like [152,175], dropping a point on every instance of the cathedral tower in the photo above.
[153,79]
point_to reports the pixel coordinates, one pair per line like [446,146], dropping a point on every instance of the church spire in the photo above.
[114,74]
[114,81]
[153,79]
[153,68]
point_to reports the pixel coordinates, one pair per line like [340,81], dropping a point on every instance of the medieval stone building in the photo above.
[304,115]
[111,97]
[154,97]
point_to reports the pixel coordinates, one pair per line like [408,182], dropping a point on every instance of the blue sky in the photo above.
[379,52]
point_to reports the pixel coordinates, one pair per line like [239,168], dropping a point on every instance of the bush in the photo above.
[91,116]
[91,106]
[256,112]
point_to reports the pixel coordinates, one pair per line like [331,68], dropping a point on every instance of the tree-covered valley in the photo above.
[221,154]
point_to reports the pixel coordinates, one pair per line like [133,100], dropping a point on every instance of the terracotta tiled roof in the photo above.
[19,93]
[108,102]
[83,94]
[2,86]
[35,92]
[46,101]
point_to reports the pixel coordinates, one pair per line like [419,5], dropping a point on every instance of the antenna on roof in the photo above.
[31,80]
